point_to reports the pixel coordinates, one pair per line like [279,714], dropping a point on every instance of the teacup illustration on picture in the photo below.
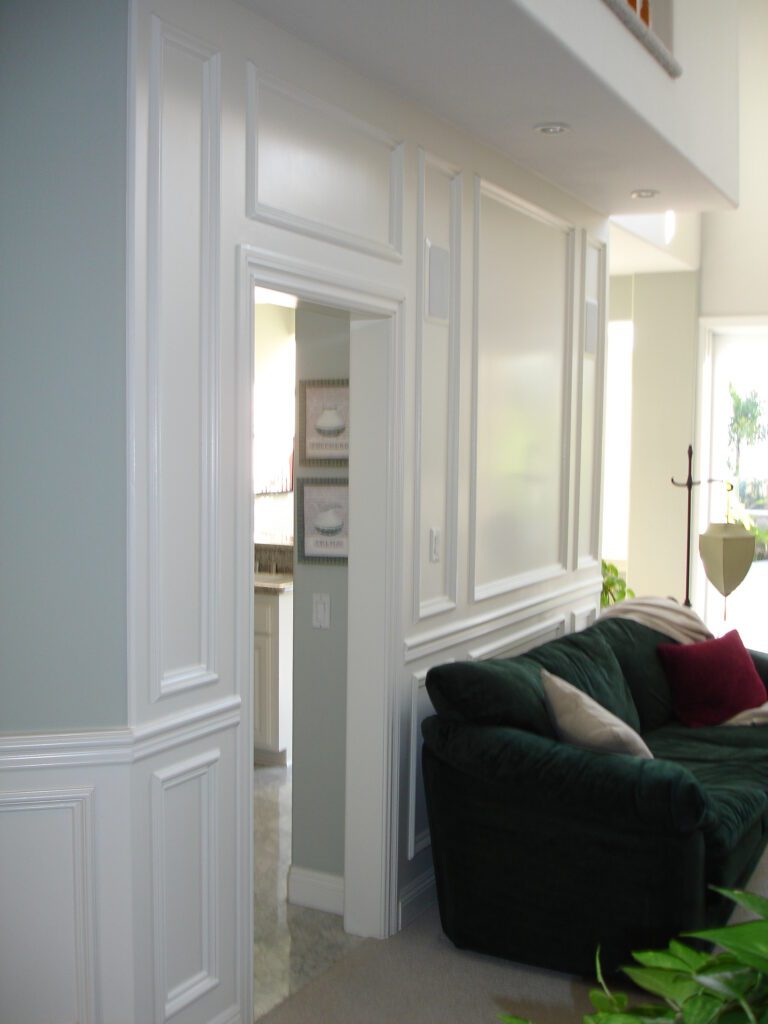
[329,522]
[330,422]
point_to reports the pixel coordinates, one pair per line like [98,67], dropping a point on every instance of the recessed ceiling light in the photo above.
[645,193]
[552,128]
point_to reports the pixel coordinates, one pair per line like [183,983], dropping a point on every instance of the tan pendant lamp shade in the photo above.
[726,550]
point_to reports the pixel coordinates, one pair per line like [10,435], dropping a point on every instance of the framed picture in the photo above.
[324,422]
[322,526]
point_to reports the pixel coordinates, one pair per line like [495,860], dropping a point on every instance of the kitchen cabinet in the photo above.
[272,668]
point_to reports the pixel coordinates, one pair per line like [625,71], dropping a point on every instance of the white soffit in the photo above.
[492,69]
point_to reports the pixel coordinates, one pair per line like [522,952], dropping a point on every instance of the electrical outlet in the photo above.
[321,611]
[434,545]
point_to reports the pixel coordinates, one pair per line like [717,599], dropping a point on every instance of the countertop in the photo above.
[272,582]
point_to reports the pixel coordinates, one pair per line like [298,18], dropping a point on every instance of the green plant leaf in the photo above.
[701,1009]
[608,1002]
[510,1019]
[693,958]
[749,900]
[673,986]
[658,958]
[748,942]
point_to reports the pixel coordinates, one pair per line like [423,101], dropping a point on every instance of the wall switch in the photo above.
[434,545]
[321,611]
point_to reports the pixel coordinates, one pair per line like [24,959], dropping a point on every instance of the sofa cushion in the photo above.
[635,647]
[580,720]
[508,691]
[712,681]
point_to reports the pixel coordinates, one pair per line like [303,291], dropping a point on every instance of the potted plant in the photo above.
[695,987]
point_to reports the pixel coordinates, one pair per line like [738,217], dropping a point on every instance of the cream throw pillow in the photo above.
[752,716]
[580,720]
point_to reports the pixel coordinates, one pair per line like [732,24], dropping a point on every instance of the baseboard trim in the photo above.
[269,758]
[316,890]
[417,896]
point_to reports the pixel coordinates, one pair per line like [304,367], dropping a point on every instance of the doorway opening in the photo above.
[734,442]
[300,516]
[360,882]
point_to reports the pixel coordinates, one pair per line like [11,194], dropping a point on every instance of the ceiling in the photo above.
[489,67]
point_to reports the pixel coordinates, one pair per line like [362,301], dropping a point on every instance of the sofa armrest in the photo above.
[616,789]
[761,664]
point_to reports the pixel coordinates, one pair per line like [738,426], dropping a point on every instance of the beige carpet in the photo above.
[419,977]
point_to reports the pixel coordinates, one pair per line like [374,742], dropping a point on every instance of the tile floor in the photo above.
[292,945]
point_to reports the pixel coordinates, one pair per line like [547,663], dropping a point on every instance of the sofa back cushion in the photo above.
[635,647]
[508,691]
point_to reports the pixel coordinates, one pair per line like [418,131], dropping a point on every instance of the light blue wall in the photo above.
[63,68]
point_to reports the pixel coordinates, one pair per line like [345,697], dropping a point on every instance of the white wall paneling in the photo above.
[519,641]
[183,359]
[583,616]
[316,169]
[421,708]
[589,407]
[185,843]
[47,968]
[436,477]
[523,295]
[486,623]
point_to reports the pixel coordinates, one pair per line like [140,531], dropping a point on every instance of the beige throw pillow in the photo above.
[752,716]
[580,720]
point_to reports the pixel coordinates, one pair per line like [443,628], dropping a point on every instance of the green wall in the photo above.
[63,86]
[319,655]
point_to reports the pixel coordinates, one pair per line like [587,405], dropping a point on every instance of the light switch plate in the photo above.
[321,611]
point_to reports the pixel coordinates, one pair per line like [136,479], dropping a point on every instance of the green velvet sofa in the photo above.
[543,850]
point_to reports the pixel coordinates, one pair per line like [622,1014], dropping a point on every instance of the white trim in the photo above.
[417,896]
[256,210]
[371,889]
[445,602]
[177,680]
[508,585]
[79,802]
[583,616]
[463,630]
[119,746]
[316,890]
[170,1001]
[416,843]
[511,644]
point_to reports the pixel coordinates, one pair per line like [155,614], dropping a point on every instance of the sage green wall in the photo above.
[63,75]
[319,655]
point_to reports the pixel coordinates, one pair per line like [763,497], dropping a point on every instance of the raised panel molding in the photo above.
[350,131]
[425,607]
[454,635]
[582,617]
[78,844]
[593,309]
[508,584]
[203,292]
[199,772]
[520,641]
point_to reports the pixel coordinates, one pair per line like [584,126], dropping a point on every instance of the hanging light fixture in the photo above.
[727,551]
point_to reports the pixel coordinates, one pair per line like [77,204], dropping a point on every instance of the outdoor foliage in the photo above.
[745,427]
[614,586]
[695,987]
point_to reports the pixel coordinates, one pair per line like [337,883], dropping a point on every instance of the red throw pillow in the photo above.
[712,681]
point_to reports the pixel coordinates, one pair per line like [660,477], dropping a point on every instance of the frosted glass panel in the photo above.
[521,339]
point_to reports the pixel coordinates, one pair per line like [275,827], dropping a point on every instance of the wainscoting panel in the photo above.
[524,269]
[185,843]
[46,889]
[355,170]
[437,354]
[183,359]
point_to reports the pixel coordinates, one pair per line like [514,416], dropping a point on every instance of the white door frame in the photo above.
[374,625]
[709,326]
